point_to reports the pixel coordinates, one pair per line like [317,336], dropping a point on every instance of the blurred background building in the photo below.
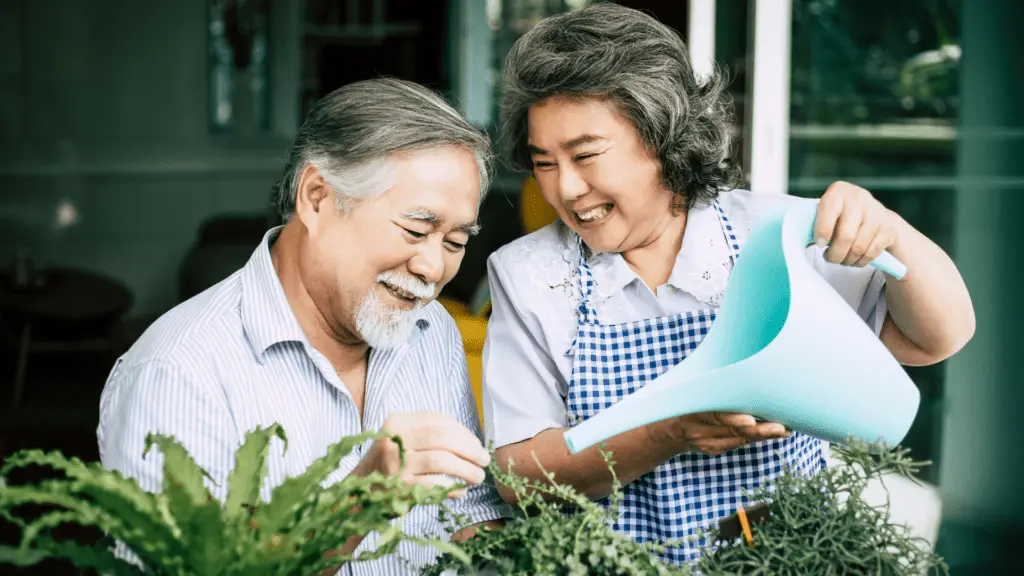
[139,143]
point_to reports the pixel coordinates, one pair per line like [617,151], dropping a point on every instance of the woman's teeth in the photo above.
[594,214]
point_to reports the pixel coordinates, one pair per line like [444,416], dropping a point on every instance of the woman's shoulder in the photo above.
[743,207]
[551,246]
[542,263]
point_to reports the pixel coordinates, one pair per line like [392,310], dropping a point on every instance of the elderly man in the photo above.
[330,328]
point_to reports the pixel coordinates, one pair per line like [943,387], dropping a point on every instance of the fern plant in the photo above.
[184,531]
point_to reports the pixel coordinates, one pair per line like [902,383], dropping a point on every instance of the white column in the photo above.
[768,128]
[700,36]
[472,61]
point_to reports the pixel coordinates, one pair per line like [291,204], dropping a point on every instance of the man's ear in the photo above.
[313,197]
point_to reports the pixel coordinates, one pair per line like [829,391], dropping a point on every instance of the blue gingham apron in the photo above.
[691,490]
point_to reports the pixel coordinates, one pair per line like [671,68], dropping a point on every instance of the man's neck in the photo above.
[346,352]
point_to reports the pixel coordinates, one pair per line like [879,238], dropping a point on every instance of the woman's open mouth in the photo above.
[594,216]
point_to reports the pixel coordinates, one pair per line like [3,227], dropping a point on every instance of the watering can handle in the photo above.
[885,262]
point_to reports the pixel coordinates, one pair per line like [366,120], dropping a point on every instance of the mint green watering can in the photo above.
[785,347]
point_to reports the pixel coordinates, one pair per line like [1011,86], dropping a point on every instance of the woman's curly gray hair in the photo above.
[625,56]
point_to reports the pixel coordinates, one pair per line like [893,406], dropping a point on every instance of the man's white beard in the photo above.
[383,326]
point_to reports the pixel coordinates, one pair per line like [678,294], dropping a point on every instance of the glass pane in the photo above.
[874,99]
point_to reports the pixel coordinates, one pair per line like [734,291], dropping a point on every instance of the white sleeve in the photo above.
[862,288]
[522,385]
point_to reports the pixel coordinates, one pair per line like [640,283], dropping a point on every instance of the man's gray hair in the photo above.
[624,56]
[350,135]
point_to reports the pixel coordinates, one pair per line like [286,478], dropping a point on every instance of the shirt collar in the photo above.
[267,317]
[703,245]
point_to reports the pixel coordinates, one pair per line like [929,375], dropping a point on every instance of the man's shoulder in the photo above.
[194,329]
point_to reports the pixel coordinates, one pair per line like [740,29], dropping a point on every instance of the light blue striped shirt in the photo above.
[234,358]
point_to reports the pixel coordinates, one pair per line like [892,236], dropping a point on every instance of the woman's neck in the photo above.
[654,258]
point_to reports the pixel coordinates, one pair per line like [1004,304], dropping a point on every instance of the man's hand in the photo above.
[716,432]
[436,445]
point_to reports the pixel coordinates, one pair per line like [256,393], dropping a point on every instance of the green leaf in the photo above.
[62,493]
[103,561]
[288,498]
[250,469]
[183,478]
[207,539]
[198,515]
[107,489]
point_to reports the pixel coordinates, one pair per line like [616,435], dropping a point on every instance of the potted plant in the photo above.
[817,524]
[184,531]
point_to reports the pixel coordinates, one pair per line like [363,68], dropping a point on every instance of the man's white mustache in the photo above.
[414,286]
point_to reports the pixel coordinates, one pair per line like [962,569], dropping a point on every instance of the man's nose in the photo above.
[428,263]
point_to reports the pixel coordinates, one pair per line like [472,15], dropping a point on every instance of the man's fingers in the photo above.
[428,462]
[442,432]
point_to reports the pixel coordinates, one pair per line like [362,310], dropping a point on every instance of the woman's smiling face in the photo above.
[593,168]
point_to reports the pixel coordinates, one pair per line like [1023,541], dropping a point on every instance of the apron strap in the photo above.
[587,313]
[731,237]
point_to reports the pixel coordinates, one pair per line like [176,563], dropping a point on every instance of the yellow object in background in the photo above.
[536,213]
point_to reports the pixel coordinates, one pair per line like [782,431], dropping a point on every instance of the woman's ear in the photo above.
[312,196]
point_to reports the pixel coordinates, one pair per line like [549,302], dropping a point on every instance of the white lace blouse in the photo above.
[534,294]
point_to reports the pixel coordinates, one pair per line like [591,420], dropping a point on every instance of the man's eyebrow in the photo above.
[421,214]
[568,144]
[431,217]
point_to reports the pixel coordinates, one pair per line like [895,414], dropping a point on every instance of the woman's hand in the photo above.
[856,227]
[713,433]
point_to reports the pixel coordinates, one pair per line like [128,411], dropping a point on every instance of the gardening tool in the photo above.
[785,347]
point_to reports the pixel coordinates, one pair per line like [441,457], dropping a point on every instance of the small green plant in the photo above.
[818,524]
[184,531]
[821,524]
[564,534]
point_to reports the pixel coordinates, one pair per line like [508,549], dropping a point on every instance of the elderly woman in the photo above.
[603,107]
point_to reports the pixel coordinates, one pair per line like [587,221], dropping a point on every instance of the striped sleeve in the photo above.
[156,396]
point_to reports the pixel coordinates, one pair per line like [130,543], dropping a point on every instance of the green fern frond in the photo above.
[103,561]
[250,469]
[184,531]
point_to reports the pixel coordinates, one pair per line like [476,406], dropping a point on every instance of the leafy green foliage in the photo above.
[546,540]
[184,531]
[819,524]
